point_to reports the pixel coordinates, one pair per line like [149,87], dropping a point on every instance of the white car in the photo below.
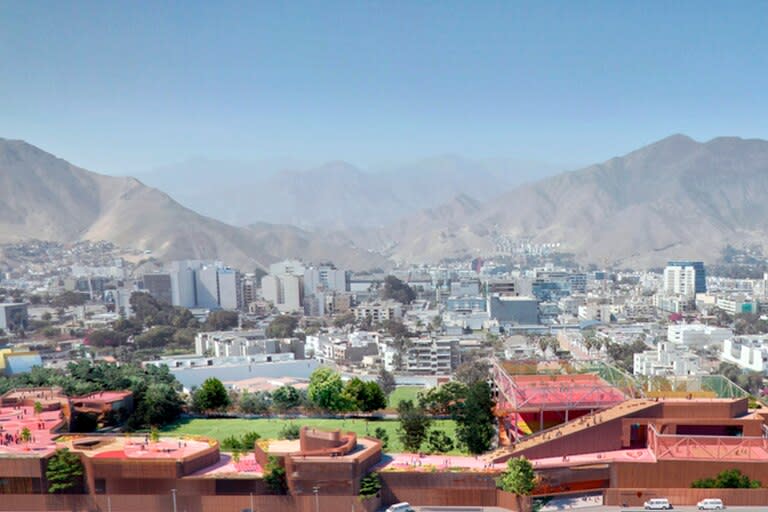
[401,507]
[658,504]
[711,504]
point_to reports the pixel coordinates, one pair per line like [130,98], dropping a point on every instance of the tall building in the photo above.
[197,284]
[516,310]
[158,285]
[285,291]
[324,278]
[13,316]
[686,275]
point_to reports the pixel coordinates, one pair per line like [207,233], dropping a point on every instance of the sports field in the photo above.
[403,393]
[269,428]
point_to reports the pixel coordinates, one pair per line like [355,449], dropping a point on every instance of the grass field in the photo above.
[403,393]
[269,428]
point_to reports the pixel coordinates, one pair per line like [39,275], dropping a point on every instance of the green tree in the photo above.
[211,396]
[727,479]
[370,485]
[325,391]
[386,382]
[366,396]
[347,318]
[69,299]
[285,398]
[158,336]
[519,478]
[274,476]
[255,403]
[26,435]
[106,338]
[289,431]
[414,424]
[439,442]
[64,472]
[282,327]
[396,328]
[382,435]
[396,289]
[474,418]
[221,320]
[473,371]
[38,408]
[441,400]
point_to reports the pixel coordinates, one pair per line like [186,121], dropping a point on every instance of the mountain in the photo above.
[674,198]
[47,198]
[336,195]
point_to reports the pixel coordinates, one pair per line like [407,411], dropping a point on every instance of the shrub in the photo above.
[274,477]
[439,442]
[381,434]
[370,485]
[289,431]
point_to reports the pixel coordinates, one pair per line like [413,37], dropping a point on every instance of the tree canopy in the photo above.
[396,289]
[64,472]
[282,327]
[519,477]
[286,398]
[414,425]
[211,396]
[325,391]
[365,396]
[474,418]
[386,381]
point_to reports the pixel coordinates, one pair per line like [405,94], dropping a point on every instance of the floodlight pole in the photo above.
[316,492]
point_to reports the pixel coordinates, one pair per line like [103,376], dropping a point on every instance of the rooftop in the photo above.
[134,447]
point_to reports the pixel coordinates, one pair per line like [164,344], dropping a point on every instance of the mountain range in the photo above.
[47,198]
[336,195]
[673,198]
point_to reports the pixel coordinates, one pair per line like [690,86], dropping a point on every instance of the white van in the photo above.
[401,507]
[711,504]
[658,504]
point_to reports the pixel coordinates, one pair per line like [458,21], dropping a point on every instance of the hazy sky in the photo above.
[124,86]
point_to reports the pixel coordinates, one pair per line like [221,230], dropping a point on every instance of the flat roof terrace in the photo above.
[42,429]
[135,447]
[104,396]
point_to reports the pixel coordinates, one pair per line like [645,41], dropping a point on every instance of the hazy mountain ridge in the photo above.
[674,198]
[44,197]
[336,195]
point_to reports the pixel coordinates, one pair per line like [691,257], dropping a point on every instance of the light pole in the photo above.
[252,508]
[173,495]
[316,492]
[109,503]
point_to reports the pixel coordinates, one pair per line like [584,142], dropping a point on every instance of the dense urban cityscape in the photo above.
[383,256]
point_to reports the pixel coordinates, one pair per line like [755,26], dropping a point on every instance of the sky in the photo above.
[123,86]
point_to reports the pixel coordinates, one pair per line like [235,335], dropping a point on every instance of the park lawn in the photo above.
[404,393]
[269,428]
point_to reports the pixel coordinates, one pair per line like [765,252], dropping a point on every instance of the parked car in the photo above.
[658,504]
[401,507]
[711,504]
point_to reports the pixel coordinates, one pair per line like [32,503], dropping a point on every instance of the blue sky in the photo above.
[120,87]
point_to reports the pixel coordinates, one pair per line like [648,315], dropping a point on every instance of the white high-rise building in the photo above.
[680,280]
[204,284]
[324,278]
[285,291]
